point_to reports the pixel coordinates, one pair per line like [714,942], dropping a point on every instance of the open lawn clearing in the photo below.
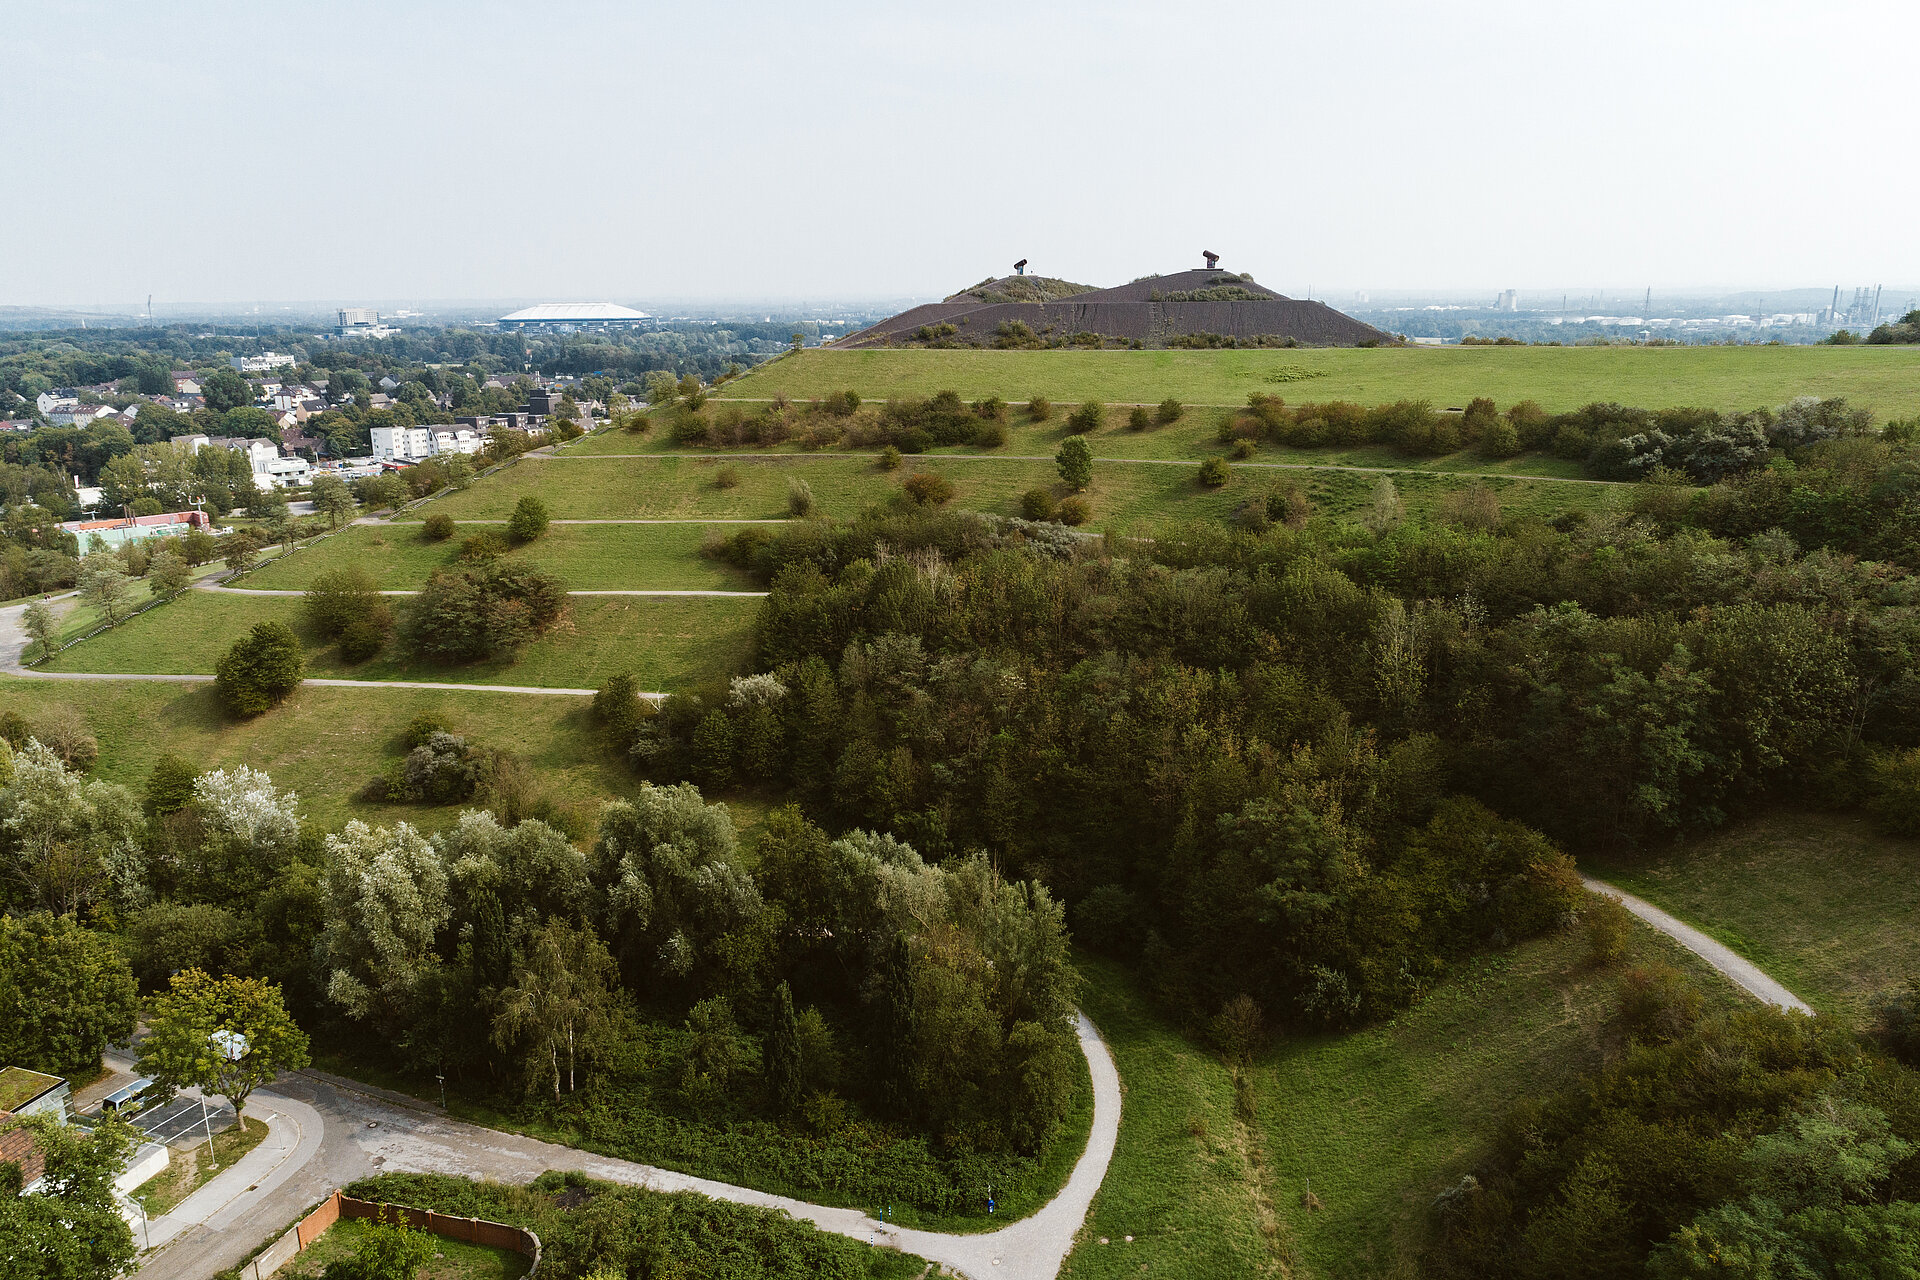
[1125,497]
[659,557]
[451,1260]
[188,1171]
[325,743]
[1381,1120]
[667,644]
[1884,379]
[1821,901]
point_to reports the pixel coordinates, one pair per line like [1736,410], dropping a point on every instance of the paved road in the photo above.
[363,1131]
[1739,970]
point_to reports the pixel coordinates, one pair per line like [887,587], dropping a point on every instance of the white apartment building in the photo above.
[261,363]
[460,441]
[402,444]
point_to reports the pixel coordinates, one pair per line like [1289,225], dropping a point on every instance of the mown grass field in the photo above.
[1126,497]
[1823,902]
[657,557]
[324,743]
[667,644]
[1884,379]
[1380,1120]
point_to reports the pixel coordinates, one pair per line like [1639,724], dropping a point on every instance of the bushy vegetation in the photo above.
[1753,1143]
[484,610]
[261,669]
[592,1229]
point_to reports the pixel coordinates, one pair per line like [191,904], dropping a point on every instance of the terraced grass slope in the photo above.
[1884,379]
[667,644]
[323,743]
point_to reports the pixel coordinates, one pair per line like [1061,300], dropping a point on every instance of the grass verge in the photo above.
[188,1171]
[451,1260]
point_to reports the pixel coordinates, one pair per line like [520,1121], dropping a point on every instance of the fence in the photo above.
[496,1235]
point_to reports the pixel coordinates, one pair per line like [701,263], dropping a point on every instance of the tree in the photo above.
[785,1073]
[104,583]
[242,548]
[40,626]
[225,389]
[261,669]
[226,1036]
[528,521]
[71,842]
[899,1028]
[481,611]
[332,499]
[65,992]
[1214,473]
[384,899]
[73,1229]
[168,575]
[1075,461]
[562,995]
[169,786]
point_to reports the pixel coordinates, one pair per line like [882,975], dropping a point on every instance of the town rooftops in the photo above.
[198,519]
[18,1146]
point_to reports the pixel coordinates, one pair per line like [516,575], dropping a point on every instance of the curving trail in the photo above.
[1737,969]
[367,1130]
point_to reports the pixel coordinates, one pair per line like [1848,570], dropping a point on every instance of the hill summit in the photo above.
[1207,307]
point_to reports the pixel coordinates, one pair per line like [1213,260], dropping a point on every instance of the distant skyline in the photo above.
[220,153]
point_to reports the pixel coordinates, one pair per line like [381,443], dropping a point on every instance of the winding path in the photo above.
[363,1130]
[1737,969]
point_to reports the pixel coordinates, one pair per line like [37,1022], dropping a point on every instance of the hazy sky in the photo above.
[208,152]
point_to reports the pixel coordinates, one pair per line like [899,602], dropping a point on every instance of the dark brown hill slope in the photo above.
[1188,308]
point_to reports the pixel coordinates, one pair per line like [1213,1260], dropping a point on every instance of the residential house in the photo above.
[80,415]
[262,363]
[186,382]
[464,440]
[388,384]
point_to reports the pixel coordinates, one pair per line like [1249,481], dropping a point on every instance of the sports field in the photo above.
[1884,379]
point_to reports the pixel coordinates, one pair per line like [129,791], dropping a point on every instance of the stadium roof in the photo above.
[575,313]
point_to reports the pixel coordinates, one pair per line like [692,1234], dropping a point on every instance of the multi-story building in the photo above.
[402,444]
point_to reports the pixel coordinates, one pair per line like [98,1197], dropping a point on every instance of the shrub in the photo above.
[482,547]
[482,611]
[1168,412]
[1896,1022]
[1139,419]
[889,459]
[1038,504]
[1088,417]
[800,503]
[1498,439]
[992,434]
[529,519]
[1243,449]
[364,637]
[1894,800]
[616,707]
[1657,1004]
[421,728]
[1473,507]
[1075,462]
[441,770]
[338,598]
[726,478]
[63,730]
[1608,924]
[437,527]
[928,488]
[260,670]
[1039,409]
[1075,510]
[1214,472]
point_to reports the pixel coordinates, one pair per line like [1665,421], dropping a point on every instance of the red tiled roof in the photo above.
[17,1146]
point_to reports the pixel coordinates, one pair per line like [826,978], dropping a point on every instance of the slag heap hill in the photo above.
[1204,308]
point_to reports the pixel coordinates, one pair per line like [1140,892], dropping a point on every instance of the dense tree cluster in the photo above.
[479,611]
[1234,752]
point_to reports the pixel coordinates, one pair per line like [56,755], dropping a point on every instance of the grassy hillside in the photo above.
[323,743]
[1125,496]
[667,644]
[1379,1121]
[1823,902]
[660,557]
[1884,379]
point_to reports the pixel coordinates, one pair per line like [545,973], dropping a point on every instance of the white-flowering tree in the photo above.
[384,893]
[244,804]
[70,841]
